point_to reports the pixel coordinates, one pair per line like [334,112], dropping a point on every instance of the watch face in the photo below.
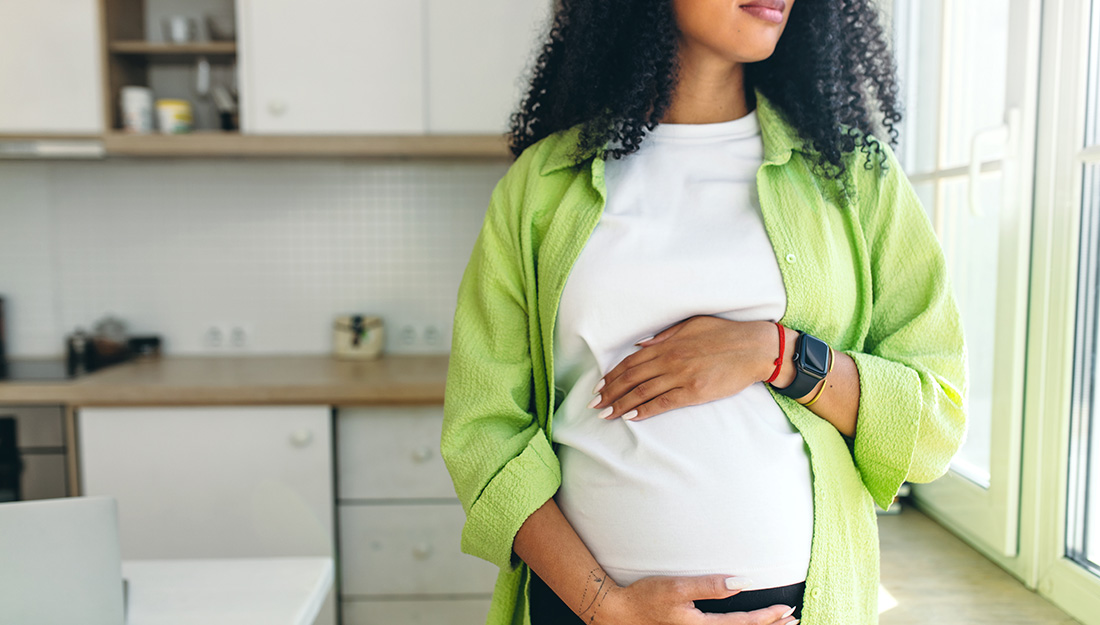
[815,356]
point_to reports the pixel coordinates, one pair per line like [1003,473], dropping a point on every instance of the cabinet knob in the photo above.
[422,454]
[301,438]
[422,551]
[276,107]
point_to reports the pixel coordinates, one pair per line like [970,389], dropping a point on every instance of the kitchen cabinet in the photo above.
[331,66]
[478,51]
[50,70]
[214,482]
[401,524]
[374,67]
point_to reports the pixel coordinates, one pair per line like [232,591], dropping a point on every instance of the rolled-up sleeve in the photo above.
[913,366]
[502,465]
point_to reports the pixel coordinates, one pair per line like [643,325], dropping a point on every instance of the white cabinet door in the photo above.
[212,482]
[478,51]
[50,67]
[331,66]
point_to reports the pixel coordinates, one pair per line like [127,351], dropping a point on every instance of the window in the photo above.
[1083,497]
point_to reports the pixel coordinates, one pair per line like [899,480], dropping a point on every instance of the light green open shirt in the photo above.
[863,271]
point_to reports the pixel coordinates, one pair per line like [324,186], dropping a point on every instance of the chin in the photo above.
[746,52]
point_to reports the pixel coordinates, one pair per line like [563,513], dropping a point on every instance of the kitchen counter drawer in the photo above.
[391,452]
[419,612]
[408,550]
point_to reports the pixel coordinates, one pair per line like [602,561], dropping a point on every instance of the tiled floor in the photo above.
[934,578]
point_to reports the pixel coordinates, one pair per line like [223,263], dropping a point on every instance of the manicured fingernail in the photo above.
[606,412]
[738,583]
[645,339]
[599,385]
[631,414]
[595,400]
[787,613]
[794,622]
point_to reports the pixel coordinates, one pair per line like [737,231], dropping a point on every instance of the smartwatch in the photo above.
[811,364]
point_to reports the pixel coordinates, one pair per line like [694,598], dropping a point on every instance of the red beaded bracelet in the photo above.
[778,361]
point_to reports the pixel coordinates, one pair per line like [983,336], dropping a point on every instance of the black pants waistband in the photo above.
[548,609]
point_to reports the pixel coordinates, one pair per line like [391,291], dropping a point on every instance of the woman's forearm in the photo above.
[839,402]
[549,545]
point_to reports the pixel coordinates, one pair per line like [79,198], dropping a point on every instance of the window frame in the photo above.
[1049,388]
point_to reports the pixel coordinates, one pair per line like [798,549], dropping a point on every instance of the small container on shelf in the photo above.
[137,109]
[179,29]
[174,116]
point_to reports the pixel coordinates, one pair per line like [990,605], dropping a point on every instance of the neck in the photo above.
[709,90]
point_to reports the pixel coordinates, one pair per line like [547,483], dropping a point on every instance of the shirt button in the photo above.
[815,593]
[791,258]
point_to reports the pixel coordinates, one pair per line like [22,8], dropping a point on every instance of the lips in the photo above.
[767,10]
[778,5]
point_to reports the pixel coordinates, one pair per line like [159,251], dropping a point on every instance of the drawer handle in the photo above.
[423,454]
[301,438]
[422,551]
[276,107]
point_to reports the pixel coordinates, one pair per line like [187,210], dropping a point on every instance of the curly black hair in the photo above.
[612,66]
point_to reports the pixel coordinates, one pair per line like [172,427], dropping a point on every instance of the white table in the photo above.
[247,591]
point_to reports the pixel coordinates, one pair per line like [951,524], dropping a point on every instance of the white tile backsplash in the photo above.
[279,247]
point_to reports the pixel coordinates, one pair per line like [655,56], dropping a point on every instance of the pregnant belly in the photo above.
[722,487]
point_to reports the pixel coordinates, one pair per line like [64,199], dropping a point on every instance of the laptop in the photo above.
[60,562]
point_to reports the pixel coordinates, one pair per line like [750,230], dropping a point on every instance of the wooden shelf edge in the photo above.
[46,146]
[215,144]
[154,48]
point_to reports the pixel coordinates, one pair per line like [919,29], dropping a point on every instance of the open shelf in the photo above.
[131,56]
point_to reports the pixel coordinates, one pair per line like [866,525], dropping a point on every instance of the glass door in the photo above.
[969,72]
[1066,379]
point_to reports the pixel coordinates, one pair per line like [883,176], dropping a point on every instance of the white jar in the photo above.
[137,109]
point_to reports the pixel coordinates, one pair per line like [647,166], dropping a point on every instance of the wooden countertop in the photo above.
[254,380]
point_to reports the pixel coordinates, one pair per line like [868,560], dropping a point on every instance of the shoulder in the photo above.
[882,191]
[541,174]
[548,154]
[891,215]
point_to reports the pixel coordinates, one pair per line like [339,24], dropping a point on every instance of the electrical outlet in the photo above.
[240,336]
[214,337]
[432,336]
[407,335]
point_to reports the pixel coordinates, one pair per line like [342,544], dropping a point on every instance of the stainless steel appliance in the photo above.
[32,453]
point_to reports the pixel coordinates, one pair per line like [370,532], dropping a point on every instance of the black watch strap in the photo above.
[811,364]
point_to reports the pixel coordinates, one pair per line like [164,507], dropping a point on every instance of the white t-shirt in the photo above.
[720,487]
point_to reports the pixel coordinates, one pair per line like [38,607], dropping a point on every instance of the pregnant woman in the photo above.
[706,323]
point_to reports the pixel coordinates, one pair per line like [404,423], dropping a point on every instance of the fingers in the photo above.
[709,586]
[773,615]
[669,400]
[648,391]
[664,334]
[626,364]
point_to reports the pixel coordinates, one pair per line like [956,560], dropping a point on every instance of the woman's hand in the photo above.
[662,600]
[699,359]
